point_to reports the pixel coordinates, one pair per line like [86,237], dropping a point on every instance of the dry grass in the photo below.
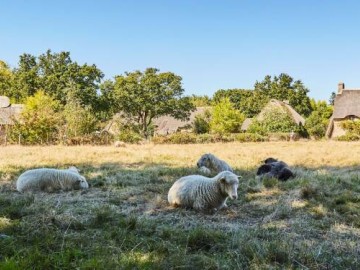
[124,222]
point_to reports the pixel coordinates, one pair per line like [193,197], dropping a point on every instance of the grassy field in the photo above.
[124,221]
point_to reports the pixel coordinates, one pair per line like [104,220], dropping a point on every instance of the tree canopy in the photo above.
[149,94]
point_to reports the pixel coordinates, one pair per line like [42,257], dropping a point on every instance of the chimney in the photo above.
[341,87]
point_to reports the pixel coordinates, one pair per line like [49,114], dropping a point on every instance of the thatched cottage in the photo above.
[283,105]
[346,107]
[165,125]
[8,113]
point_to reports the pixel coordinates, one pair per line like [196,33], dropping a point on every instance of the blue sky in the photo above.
[211,44]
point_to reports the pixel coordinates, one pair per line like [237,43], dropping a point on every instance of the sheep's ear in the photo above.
[223,180]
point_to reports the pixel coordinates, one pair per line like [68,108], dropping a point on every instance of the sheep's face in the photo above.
[230,184]
[203,161]
[263,169]
[83,183]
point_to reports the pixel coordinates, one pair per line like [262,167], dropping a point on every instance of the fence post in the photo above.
[19,138]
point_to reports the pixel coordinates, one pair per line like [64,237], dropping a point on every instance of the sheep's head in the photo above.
[263,169]
[203,161]
[270,160]
[74,169]
[82,183]
[229,184]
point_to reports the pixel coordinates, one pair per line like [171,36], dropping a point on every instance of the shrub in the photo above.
[201,123]
[226,119]
[39,122]
[129,136]
[249,137]
[273,120]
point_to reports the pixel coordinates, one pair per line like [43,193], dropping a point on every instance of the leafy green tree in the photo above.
[316,124]
[273,120]
[6,79]
[332,98]
[200,101]
[26,78]
[40,120]
[283,87]
[246,101]
[55,74]
[225,119]
[149,94]
[202,122]
[79,119]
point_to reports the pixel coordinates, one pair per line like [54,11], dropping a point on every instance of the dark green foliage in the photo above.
[273,120]
[201,123]
[241,99]
[317,123]
[149,94]
[283,87]
[56,73]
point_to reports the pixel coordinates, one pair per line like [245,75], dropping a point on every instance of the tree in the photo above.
[225,119]
[242,100]
[149,94]
[55,74]
[273,120]
[284,87]
[6,79]
[40,120]
[201,123]
[332,98]
[316,124]
[79,120]
[26,78]
[200,101]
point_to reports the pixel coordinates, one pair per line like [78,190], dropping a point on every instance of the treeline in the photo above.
[68,101]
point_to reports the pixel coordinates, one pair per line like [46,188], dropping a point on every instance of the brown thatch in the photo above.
[167,124]
[4,102]
[9,112]
[346,106]
[283,105]
[245,125]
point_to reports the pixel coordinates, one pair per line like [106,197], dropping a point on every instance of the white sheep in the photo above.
[50,180]
[213,163]
[203,193]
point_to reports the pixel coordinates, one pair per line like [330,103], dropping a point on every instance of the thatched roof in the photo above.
[245,125]
[167,124]
[283,105]
[4,102]
[8,114]
[347,103]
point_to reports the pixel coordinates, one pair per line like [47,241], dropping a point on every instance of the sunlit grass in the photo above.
[124,221]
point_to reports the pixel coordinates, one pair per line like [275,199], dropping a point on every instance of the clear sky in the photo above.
[211,44]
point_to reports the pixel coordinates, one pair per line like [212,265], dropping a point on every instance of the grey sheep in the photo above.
[50,180]
[203,193]
[274,168]
[213,163]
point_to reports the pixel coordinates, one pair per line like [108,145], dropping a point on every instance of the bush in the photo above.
[185,138]
[273,120]
[202,123]
[226,119]
[349,137]
[129,136]
[250,137]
